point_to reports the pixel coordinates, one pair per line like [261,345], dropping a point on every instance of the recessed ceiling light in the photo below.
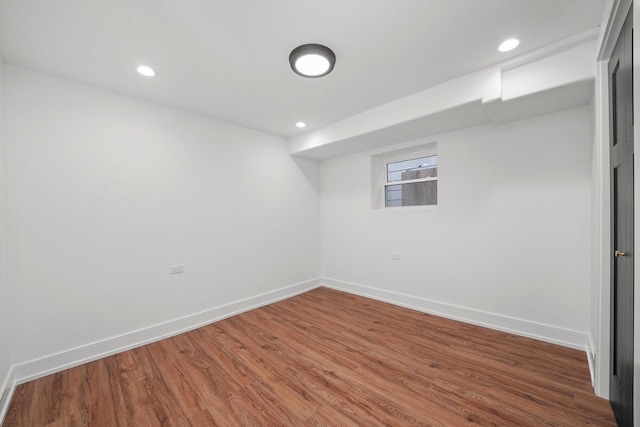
[508,45]
[146,71]
[312,60]
[301,124]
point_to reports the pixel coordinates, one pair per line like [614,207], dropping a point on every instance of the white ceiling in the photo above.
[229,59]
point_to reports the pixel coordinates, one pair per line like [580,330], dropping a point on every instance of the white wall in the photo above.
[5,357]
[600,212]
[511,234]
[555,77]
[105,192]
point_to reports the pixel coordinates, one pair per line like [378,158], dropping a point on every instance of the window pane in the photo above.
[412,194]
[422,167]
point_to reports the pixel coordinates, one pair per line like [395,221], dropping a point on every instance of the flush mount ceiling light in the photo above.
[508,45]
[301,124]
[146,71]
[312,60]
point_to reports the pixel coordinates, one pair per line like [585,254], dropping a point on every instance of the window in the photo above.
[406,177]
[412,182]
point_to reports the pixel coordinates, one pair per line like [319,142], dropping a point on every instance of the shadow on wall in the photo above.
[311,171]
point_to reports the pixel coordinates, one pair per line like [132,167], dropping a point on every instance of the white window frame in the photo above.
[379,174]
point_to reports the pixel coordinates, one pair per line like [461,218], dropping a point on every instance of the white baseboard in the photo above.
[57,362]
[591,359]
[53,363]
[6,391]
[539,331]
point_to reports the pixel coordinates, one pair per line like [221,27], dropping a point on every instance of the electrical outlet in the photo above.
[395,255]
[175,269]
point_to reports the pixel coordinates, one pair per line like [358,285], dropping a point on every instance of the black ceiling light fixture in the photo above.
[312,60]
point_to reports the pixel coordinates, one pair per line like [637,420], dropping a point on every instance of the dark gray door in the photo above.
[621,114]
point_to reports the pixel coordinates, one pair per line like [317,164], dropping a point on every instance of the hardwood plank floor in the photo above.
[324,358]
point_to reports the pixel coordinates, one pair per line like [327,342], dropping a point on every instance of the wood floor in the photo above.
[323,358]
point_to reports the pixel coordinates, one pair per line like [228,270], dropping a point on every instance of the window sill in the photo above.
[407,208]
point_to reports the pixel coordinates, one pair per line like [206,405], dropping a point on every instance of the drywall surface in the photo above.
[5,348]
[550,79]
[563,68]
[106,192]
[510,235]
[601,236]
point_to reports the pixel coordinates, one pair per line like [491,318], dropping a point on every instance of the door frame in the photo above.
[636,214]
[599,337]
